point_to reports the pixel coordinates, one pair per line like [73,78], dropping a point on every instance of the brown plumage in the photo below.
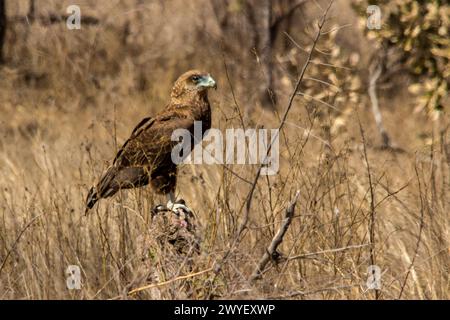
[146,156]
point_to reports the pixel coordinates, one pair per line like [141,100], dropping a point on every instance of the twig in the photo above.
[311,254]
[154,285]
[294,42]
[372,203]
[277,239]
[319,63]
[419,240]
[236,104]
[325,83]
[17,241]
[320,101]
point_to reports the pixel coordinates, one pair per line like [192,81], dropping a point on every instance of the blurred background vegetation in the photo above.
[366,143]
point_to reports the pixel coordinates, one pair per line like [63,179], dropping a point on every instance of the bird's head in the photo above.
[193,82]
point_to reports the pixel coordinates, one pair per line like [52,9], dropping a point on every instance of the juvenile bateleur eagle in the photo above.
[145,157]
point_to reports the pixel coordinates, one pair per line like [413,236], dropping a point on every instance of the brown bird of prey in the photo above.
[146,156]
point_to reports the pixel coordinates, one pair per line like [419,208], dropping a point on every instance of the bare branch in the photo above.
[419,238]
[312,254]
[294,42]
[277,239]
[17,241]
[320,101]
[372,220]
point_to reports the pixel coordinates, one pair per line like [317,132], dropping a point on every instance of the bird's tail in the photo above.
[91,199]
[105,188]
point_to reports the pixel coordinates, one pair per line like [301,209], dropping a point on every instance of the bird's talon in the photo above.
[181,208]
[178,207]
[158,209]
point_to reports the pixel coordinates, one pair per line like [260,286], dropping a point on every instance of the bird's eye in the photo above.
[195,78]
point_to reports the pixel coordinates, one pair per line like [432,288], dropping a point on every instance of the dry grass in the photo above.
[69,98]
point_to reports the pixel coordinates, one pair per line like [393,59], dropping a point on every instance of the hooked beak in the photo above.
[208,82]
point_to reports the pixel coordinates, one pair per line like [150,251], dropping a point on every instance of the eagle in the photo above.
[145,157]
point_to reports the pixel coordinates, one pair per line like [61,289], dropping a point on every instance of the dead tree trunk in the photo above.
[32,11]
[376,70]
[263,26]
[2,29]
[254,28]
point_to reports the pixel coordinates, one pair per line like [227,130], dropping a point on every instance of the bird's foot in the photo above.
[158,209]
[176,207]
[179,205]
[178,213]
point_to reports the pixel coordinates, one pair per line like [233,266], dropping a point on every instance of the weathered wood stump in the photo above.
[168,250]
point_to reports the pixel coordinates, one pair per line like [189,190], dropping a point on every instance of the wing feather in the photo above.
[150,142]
[142,126]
